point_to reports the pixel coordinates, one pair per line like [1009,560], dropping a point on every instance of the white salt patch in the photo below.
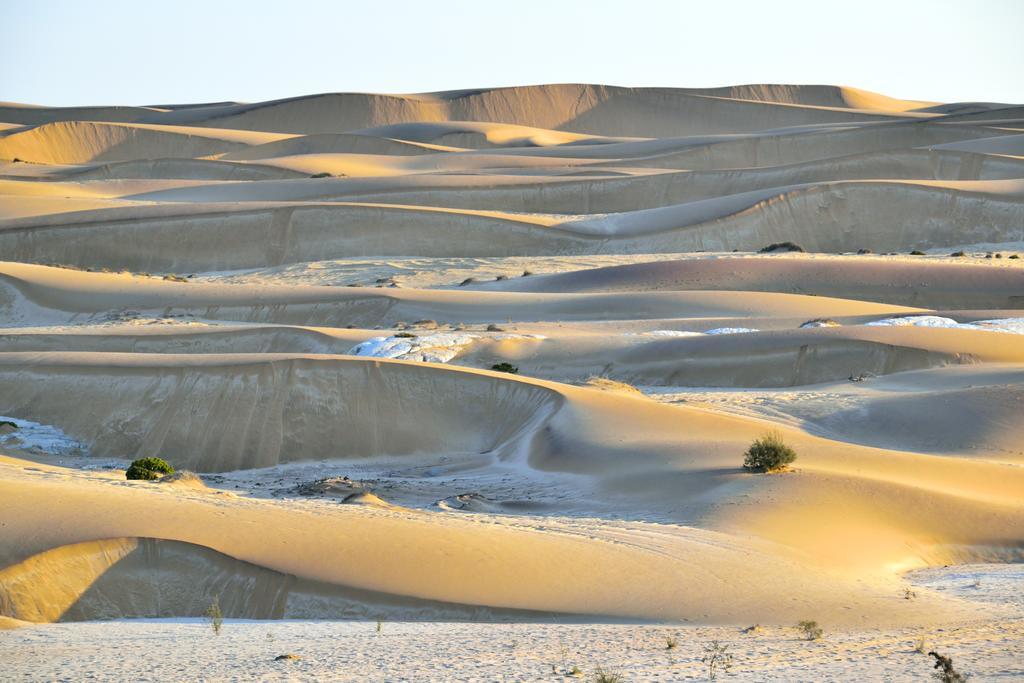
[666,333]
[40,438]
[432,348]
[819,323]
[731,330]
[1010,325]
[915,321]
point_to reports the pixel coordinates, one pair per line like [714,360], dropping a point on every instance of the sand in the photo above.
[313,306]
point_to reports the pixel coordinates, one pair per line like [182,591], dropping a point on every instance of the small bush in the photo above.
[810,630]
[768,454]
[215,616]
[527,273]
[6,427]
[467,281]
[404,335]
[865,251]
[605,384]
[320,175]
[607,677]
[505,367]
[917,253]
[820,322]
[716,656]
[148,469]
[175,278]
[671,643]
[944,670]
[1014,256]
[780,246]
[958,254]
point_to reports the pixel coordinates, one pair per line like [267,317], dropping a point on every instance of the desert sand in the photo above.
[306,305]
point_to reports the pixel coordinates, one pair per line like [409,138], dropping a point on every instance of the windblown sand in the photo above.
[308,304]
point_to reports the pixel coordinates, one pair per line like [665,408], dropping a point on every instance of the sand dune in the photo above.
[78,142]
[891,215]
[904,282]
[497,354]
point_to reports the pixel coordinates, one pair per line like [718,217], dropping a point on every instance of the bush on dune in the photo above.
[781,246]
[768,454]
[505,367]
[148,469]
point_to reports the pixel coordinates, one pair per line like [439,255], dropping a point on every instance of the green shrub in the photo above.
[215,616]
[505,367]
[780,246]
[944,670]
[320,175]
[768,454]
[148,469]
[810,630]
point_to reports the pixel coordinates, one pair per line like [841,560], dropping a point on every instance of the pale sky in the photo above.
[62,52]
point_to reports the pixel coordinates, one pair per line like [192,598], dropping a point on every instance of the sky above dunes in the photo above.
[59,52]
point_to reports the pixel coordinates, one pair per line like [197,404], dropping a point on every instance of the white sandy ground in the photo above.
[187,649]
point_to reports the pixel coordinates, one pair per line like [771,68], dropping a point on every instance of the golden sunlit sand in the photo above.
[495,356]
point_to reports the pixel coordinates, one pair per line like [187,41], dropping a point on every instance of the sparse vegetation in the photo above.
[605,384]
[215,616]
[716,657]
[944,670]
[958,253]
[602,676]
[810,630]
[820,322]
[380,625]
[917,253]
[148,469]
[321,175]
[6,427]
[780,246]
[505,367]
[1014,256]
[404,335]
[909,594]
[494,328]
[467,281]
[286,657]
[501,277]
[768,454]
[174,278]
[864,251]
[526,273]
[671,643]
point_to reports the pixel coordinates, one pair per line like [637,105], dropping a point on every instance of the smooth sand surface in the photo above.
[310,307]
